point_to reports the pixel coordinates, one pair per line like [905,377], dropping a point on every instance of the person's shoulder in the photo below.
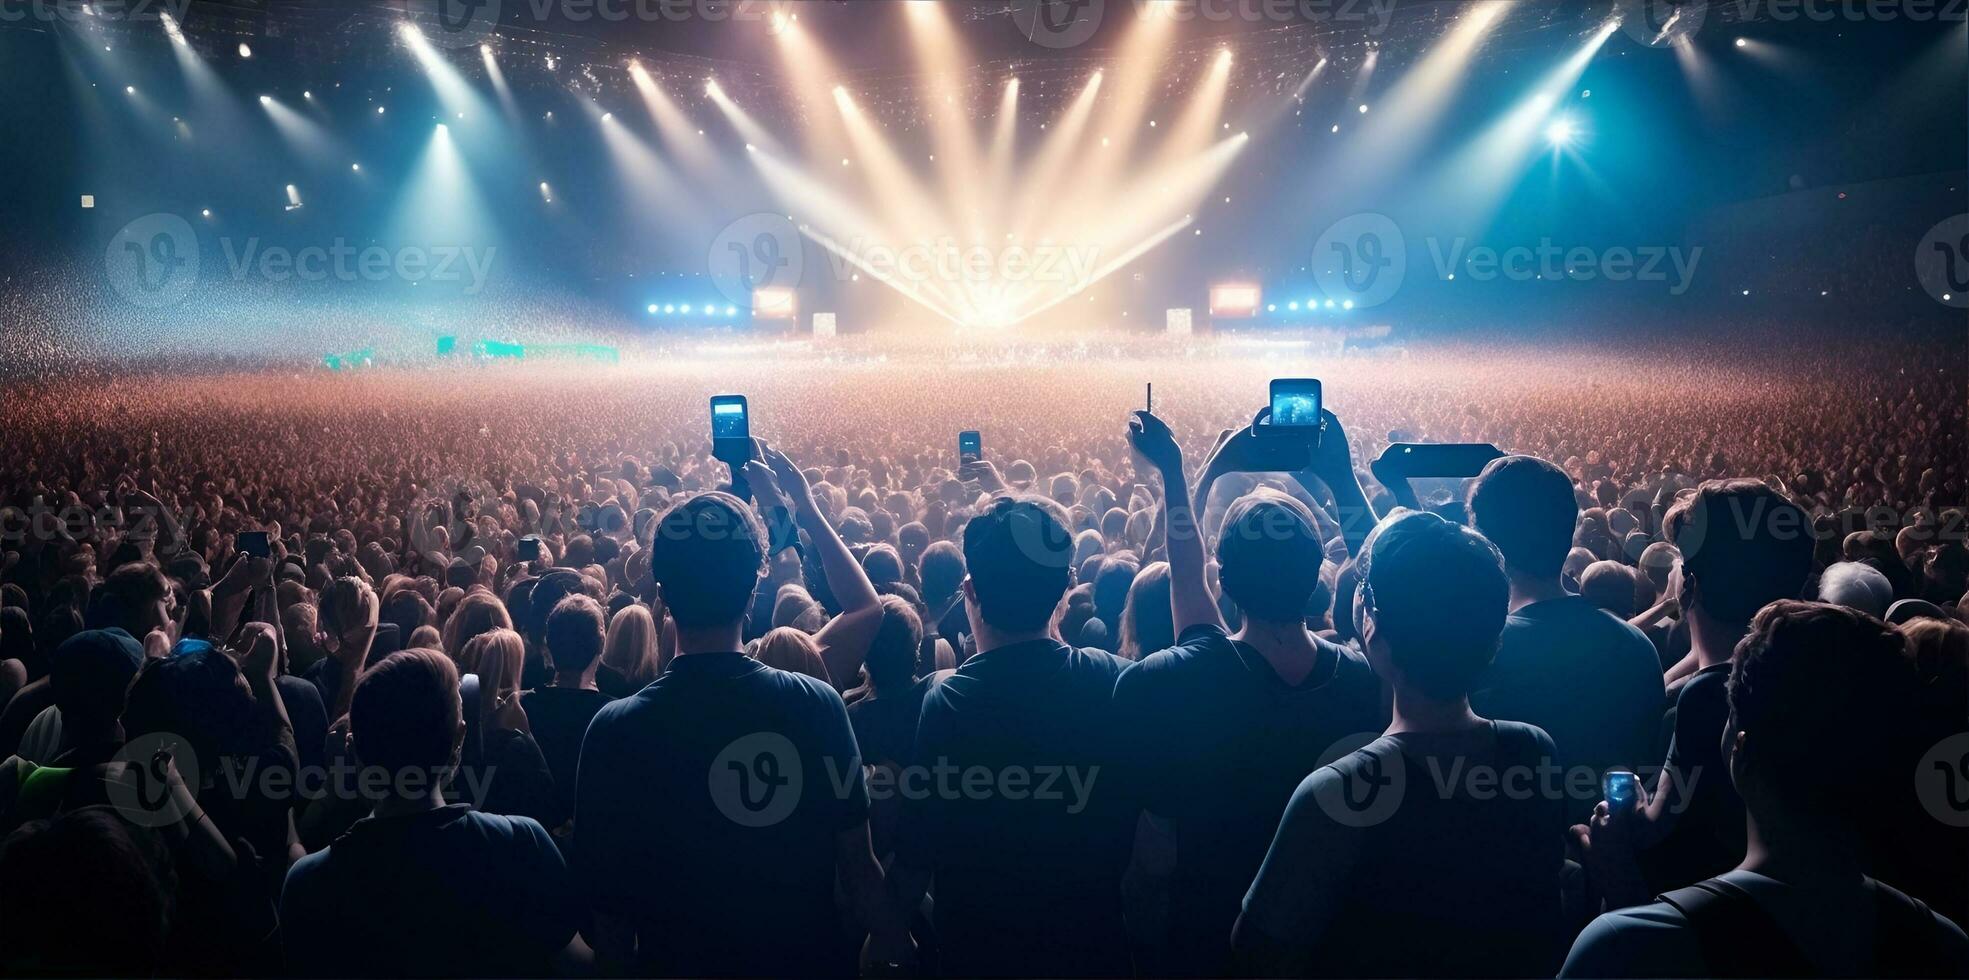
[1708,684]
[1193,646]
[518,830]
[1638,941]
[1524,733]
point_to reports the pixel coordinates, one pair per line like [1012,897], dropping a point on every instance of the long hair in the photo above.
[500,656]
[477,614]
[792,649]
[632,646]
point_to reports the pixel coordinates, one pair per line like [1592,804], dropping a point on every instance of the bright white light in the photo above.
[245,50]
[307,94]
[1329,304]
[652,308]
[686,308]
[205,213]
[1336,127]
[1742,43]
[379,110]
[608,117]
[1293,306]
[1363,108]
[355,167]
[1347,305]
[1560,133]
[266,100]
[132,90]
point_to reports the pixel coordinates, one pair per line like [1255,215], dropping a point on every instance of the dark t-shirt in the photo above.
[1589,680]
[706,812]
[450,892]
[1013,802]
[1421,856]
[885,726]
[559,718]
[1707,837]
[1219,744]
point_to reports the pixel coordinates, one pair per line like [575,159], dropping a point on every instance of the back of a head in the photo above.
[1436,594]
[1018,553]
[1147,622]
[91,675]
[125,598]
[1268,556]
[892,654]
[1818,692]
[1111,587]
[631,644]
[1745,545]
[707,555]
[792,650]
[1609,585]
[1856,585]
[575,633]
[882,564]
[1526,507]
[89,895]
[195,693]
[405,714]
[477,614]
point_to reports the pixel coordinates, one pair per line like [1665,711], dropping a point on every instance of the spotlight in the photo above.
[1329,304]
[608,117]
[1742,43]
[669,307]
[1346,305]
[132,90]
[731,311]
[307,94]
[355,167]
[1560,133]
[245,50]
[205,213]
[442,128]
[686,308]
[1293,306]
[652,308]
[1336,127]
[1363,108]
[266,100]
[379,110]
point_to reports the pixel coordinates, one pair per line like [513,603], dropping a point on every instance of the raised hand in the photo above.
[1150,436]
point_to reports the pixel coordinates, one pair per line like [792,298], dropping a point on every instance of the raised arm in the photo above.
[1189,596]
[844,640]
[1333,465]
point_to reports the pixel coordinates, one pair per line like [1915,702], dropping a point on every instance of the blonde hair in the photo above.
[791,649]
[500,656]
[478,613]
[632,645]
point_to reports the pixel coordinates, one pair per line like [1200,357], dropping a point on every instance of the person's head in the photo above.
[199,694]
[942,571]
[1939,649]
[1856,585]
[406,717]
[883,565]
[1656,562]
[89,894]
[1111,587]
[1815,692]
[1743,547]
[136,599]
[1431,604]
[1268,557]
[630,649]
[1018,553]
[1609,585]
[477,614]
[793,650]
[574,635]
[706,557]
[1147,622]
[90,678]
[892,654]
[1526,507]
[408,610]
[498,657]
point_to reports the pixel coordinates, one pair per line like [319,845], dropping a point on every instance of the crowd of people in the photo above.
[516,672]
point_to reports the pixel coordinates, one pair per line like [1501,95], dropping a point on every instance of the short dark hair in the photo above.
[1745,544]
[91,868]
[128,591]
[942,571]
[575,631]
[707,555]
[405,712]
[1438,596]
[1527,508]
[1819,688]
[1268,556]
[1019,555]
[892,654]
